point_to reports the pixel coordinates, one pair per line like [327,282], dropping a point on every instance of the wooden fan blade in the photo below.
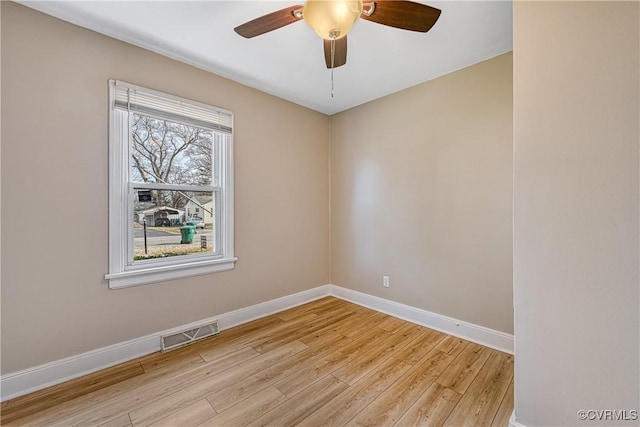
[340,53]
[404,14]
[269,22]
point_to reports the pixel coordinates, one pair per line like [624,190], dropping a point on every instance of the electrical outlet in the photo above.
[385,281]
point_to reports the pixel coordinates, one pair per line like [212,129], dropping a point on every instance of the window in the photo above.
[170,160]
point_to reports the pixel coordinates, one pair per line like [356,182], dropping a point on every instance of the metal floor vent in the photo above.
[182,338]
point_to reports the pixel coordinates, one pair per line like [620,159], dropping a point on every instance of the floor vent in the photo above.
[182,338]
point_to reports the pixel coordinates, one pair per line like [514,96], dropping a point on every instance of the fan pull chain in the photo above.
[333,55]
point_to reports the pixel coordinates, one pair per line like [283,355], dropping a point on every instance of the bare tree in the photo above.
[201,161]
[168,152]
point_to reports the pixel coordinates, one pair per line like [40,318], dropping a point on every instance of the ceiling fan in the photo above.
[332,20]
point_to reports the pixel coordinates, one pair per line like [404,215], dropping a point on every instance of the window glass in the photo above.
[161,230]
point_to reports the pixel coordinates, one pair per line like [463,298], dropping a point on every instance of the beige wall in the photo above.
[55,302]
[421,190]
[576,121]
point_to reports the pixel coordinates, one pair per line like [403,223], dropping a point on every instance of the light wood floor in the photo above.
[328,362]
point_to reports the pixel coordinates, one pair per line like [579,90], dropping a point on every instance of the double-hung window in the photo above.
[170,187]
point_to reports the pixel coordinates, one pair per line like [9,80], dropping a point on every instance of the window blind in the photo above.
[146,101]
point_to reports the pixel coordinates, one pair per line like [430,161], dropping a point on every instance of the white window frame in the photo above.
[122,271]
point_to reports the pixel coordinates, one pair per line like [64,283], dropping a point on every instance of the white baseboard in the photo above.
[52,373]
[469,331]
[513,422]
[29,380]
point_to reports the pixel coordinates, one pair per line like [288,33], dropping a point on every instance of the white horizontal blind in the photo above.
[146,101]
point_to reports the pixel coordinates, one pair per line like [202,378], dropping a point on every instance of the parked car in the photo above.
[162,222]
[196,222]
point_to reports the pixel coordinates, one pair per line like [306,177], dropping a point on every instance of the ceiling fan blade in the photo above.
[269,22]
[340,52]
[404,14]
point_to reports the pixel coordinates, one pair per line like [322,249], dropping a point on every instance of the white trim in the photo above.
[32,379]
[161,273]
[513,422]
[174,187]
[52,373]
[469,331]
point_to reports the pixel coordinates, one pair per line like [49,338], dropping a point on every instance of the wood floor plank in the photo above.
[419,348]
[432,408]
[298,380]
[223,398]
[464,368]
[70,408]
[392,403]
[350,326]
[356,308]
[506,408]
[319,337]
[284,330]
[223,344]
[480,403]
[377,318]
[310,307]
[248,410]
[293,312]
[257,325]
[392,324]
[174,361]
[347,404]
[128,395]
[103,407]
[170,403]
[452,345]
[121,421]
[190,416]
[365,362]
[303,330]
[58,394]
[227,350]
[360,344]
[334,306]
[303,404]
[326,342]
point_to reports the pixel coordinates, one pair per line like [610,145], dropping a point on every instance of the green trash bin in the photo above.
[187,232]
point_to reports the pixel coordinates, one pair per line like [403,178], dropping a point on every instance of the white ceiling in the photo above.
[289,62]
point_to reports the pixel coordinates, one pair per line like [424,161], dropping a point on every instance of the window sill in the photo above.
[155,274]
